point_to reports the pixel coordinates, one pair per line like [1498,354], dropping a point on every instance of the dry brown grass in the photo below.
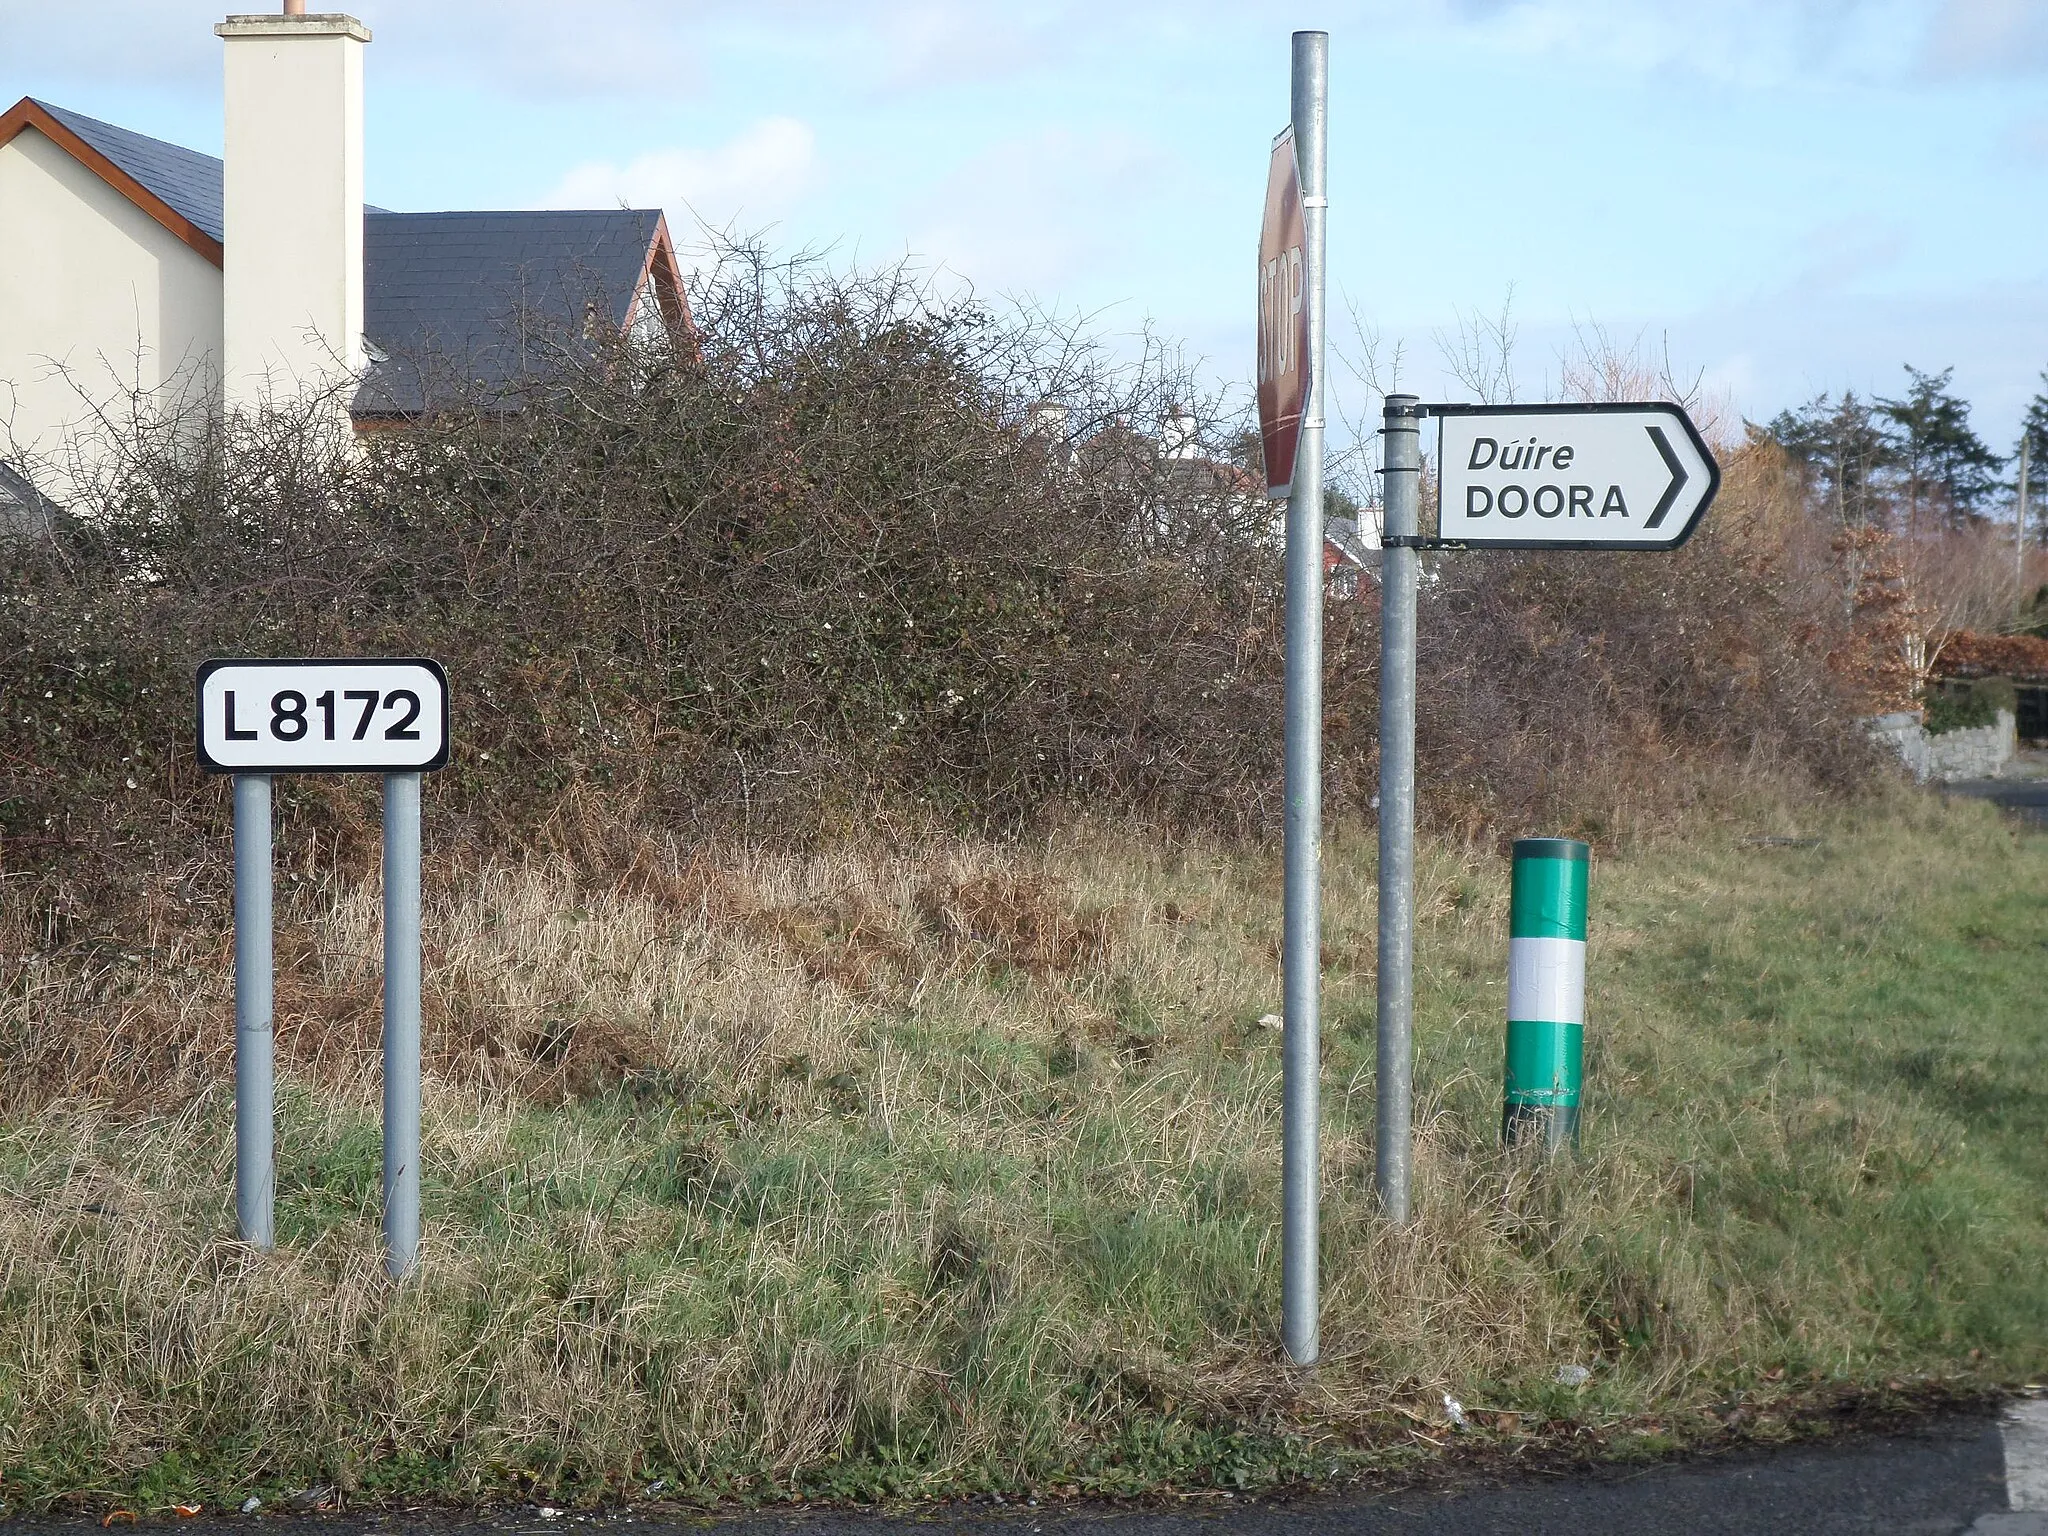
[953,1165]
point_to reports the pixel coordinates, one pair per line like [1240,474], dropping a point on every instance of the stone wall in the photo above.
[1977,753]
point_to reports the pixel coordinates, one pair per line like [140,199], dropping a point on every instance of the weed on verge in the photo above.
[955,1168]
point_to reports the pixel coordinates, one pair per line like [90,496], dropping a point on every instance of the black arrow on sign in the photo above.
[1678,476]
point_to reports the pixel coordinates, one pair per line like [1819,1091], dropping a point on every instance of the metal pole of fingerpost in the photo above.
[1302,937]
[255,1155]
[1393,1136]
[401,1022]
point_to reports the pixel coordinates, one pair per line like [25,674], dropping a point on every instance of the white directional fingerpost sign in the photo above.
[1619,477]
[1571,476]
[387,716]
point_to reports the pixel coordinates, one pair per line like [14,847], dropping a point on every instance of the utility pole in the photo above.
[2019,554]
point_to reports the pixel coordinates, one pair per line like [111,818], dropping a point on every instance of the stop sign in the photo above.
[1283,318]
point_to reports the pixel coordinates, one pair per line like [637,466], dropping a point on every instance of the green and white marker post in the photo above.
[1546,992]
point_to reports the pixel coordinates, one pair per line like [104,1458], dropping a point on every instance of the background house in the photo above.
[143,275]
[2021,659]
[1351,545]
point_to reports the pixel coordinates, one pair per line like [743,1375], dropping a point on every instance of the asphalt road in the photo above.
[2026,797]
[1959,1474]
[1944,1477]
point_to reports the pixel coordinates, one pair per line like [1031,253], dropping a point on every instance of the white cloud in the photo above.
[1032,213]
[753,178]
[544,47]
[1778,348]
[942,42]
[644,48]
[548,48]
[1972,37]
[2027,139]
[1762,42]
[121,41]
[519,47]
[1836,256]
[1740,42]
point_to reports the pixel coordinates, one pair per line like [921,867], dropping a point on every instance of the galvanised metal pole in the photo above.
[255,1155]
[1393,1134]
[1546,992]
[1301,943]
[401,1022]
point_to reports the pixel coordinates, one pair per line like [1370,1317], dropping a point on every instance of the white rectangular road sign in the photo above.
[1571,476]
[377,716]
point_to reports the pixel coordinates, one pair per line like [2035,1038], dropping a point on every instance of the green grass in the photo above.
[956,1169]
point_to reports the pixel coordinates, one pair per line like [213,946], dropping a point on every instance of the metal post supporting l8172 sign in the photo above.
[1393,1133]
[255,1157]
[401,1022]
[1301,941]
[388,716]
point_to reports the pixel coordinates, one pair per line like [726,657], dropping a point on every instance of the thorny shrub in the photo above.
[1590,692]
[861,552]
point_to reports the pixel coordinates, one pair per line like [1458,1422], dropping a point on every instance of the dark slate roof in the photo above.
[189,181]
[458,300]
[447,297]
[24,510]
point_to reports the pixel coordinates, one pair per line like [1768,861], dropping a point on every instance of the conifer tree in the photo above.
[1843,452]
[1943,465]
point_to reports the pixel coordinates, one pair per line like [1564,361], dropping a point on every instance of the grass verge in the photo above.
[954,1168]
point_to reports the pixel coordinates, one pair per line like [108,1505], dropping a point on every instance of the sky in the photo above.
[1781,196]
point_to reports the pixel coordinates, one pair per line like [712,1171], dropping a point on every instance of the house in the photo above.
[24,511]
[137,271]
[2021,659]
[1351,545]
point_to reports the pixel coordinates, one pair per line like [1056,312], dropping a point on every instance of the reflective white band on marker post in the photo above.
[1547,980]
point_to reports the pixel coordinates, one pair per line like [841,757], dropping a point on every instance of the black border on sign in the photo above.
[1582,408]
[208,668]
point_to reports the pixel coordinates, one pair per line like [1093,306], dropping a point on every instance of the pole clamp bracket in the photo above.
[1416,541]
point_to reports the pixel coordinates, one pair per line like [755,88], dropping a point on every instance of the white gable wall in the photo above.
[97,302]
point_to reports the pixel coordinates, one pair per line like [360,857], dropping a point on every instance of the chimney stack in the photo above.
[292,318]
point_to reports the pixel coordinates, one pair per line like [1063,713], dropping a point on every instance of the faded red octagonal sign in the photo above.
[1283,318]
